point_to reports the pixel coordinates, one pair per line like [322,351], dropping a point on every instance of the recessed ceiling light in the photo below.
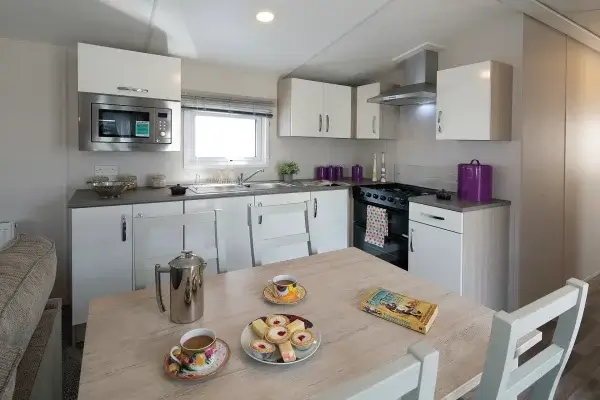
[265,16]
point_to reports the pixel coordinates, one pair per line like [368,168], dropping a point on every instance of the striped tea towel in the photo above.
[377,226]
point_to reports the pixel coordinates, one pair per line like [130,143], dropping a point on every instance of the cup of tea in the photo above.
[196,349]
[284,285]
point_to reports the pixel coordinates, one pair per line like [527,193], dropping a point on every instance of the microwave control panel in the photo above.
[163,125]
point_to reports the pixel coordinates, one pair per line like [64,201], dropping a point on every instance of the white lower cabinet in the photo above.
[282,225]
[436,255]
[329,220]
[101,255]
[233,218]
[160,244]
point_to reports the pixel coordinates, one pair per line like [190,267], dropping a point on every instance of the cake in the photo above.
[277,320]
[297,325]
[262,349]
[277,335]
[260,328]
[303,340]
[287,352]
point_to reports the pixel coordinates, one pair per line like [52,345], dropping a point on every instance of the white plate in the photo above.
[248,336]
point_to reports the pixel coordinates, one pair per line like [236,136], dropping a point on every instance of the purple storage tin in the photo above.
[475,181]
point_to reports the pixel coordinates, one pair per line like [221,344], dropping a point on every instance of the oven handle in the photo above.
[410,244]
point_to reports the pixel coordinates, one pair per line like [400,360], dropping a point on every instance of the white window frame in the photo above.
[191,162]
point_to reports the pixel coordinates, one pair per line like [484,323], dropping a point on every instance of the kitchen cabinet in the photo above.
[120,72]
[474,102]
[372,120]
[329,220]
[101,254]
[466,253]
[233,218]
[282,225]
[160,244]
[314,109]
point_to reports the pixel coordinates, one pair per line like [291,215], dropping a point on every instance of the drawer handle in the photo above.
[433,216]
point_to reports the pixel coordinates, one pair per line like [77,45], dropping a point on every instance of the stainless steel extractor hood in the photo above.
[420,72]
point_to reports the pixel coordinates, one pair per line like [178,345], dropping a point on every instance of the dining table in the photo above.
[127,337]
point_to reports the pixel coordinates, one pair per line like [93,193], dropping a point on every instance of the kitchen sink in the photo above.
[267,185]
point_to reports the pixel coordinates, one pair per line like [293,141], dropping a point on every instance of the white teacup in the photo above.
[192,356]
[284,285]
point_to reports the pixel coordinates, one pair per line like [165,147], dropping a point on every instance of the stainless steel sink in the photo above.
[266,185]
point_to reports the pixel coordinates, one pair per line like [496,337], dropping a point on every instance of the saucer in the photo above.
[221,355]
[289,299]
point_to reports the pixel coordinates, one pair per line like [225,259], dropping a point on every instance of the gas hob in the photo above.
[389,195]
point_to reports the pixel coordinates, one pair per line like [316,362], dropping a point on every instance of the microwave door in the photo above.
[122,124]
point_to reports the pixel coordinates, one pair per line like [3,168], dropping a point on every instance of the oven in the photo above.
[395,250]
[123,123]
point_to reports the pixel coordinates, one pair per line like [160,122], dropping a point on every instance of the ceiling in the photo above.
[584,12]
[335,40]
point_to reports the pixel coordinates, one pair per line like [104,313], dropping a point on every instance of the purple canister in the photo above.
[329,172]
[338,172]
[320,173]
[357,173]
[475,181]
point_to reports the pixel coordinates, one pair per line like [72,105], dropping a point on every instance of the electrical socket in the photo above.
[106,170]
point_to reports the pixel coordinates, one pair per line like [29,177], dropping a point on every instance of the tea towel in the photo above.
[377,226]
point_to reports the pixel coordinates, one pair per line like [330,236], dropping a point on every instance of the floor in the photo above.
[580,381]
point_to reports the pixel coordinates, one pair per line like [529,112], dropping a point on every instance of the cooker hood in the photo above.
[420,73]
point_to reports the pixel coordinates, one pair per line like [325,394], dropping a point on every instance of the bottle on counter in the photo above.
[374,175]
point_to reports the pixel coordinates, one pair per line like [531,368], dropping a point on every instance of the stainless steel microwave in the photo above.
[122,123]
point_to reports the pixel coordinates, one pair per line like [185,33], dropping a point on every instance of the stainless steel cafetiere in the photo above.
[186,286]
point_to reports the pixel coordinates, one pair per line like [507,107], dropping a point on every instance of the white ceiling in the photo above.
[336,40]
[584,12]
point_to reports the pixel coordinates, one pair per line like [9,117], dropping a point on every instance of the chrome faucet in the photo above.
[242,180]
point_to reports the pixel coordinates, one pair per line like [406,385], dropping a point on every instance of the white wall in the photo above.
[425,161]
[33,153]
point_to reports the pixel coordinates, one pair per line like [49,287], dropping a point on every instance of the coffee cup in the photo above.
[284,285]
[196,349]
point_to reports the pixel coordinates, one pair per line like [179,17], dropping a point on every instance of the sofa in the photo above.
[30,322]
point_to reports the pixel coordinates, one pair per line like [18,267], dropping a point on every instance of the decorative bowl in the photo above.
[107,190]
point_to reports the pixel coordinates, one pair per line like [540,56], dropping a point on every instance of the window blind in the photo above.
[228,105]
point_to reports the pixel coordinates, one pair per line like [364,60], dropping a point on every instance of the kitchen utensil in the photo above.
[248,336]
[199,356]
[158,181]
[320,173]
[186,287]
[374,172]
[475,181]
[130,180]
[178,190]
[107,190]
[220,357]
[271,297]
[357,173]
[383,172]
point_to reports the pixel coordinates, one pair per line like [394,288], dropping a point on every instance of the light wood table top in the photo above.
[127,338]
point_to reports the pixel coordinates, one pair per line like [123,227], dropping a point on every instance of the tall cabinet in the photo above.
[314,109]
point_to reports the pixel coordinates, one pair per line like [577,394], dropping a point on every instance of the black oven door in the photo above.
[395,249]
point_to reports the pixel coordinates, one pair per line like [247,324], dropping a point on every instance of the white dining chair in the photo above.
[410,377]
[260,240]
[502,379]
[143,226]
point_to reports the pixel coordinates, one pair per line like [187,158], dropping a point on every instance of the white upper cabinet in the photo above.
[119,72]
[314,109]
[474,102]
[372,120]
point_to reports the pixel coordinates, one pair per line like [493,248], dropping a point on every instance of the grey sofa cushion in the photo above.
[27,273]
[10,356]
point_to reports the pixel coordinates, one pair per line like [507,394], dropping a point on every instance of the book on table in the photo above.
[410,313]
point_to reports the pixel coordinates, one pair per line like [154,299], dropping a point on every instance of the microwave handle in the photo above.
[132,89]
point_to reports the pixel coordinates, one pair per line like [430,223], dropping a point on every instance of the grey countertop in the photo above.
[84,198]
[458,205]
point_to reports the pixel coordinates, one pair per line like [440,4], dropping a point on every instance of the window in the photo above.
[221,132]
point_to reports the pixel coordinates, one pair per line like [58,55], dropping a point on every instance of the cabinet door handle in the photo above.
[439,121]
[260,216]
[410,245]
[316,208]
[123,228]
[327,118]
[320,122]
[132,89]
[139,215]
[374,122]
